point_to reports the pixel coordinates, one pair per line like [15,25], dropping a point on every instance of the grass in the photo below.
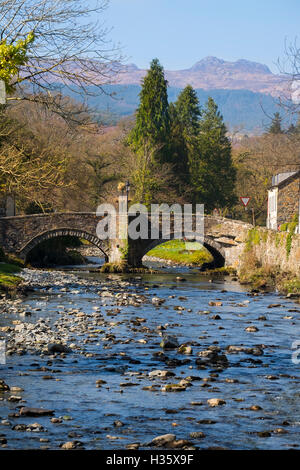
[8,280]
[182,253]
[123,267]
[291,286]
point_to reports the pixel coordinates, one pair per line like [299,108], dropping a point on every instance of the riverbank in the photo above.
[259,276]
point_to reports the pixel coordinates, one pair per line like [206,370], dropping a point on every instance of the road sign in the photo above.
[2,92]
[245,200]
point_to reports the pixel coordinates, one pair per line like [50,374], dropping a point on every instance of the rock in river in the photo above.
[58,348]
[161,373]
[25,411]
[216,402]
[3,386]
[161,441]
[169,342]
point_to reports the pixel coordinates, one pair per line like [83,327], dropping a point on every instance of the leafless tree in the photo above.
[70,49]
[289,67]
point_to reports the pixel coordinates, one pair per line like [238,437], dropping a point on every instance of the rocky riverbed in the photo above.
[169,360]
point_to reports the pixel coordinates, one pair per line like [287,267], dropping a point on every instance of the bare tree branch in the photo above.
[70,48]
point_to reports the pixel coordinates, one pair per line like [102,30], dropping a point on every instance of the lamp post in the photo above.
[127,189]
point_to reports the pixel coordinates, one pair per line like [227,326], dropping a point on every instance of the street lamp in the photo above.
[127,187]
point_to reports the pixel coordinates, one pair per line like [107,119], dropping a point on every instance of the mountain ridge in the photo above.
[214,73]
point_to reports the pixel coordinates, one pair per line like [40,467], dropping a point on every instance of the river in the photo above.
[116,339]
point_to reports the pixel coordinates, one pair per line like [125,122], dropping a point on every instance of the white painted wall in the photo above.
[272,209]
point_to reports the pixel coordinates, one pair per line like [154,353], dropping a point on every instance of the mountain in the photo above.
[213,73]
[245,109]
[246,92]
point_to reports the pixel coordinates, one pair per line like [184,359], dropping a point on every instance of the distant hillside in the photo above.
[212,73]
[242,108]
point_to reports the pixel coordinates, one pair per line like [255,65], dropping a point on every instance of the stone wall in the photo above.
[288,201]
[279,251]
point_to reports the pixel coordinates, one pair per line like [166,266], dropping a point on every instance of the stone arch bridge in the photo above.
[224,238]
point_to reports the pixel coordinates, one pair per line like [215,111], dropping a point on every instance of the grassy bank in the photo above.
[180,252]
[8,279]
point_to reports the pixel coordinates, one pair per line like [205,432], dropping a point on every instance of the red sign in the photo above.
[245,200]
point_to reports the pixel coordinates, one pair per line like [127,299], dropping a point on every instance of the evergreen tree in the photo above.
[275,127]
[294,129]
[188,111]
[184,114]
[178,154]
[152,126]
[212,173]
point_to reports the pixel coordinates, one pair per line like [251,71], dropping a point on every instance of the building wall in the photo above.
[288,201]
[272,208]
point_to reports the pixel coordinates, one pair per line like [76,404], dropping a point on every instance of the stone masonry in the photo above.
[224,238]
[288,199]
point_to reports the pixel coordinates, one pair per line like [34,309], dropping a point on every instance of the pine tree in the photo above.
[294,129]
[275,127]
[188,111]
[152,126]
[184,114]
[213,174]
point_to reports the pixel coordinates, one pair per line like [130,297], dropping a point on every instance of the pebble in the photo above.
[216,402]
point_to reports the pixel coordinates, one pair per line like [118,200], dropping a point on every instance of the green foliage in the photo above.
[253,238]
[152,118]
[284,227]
[289,227]
[289,240]
[12,56]
[291,286]
[124,250]
[195,145]
[212,171]
[185,115]
[7,268]
[150,137]
[188,111]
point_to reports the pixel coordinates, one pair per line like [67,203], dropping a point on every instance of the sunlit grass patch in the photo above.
[182,252]
[8,280]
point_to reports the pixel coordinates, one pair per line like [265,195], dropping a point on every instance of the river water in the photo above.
[121,411]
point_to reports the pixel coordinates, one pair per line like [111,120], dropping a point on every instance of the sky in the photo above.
[181,32]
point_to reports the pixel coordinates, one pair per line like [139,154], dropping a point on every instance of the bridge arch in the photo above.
[62,232]
[215,249]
